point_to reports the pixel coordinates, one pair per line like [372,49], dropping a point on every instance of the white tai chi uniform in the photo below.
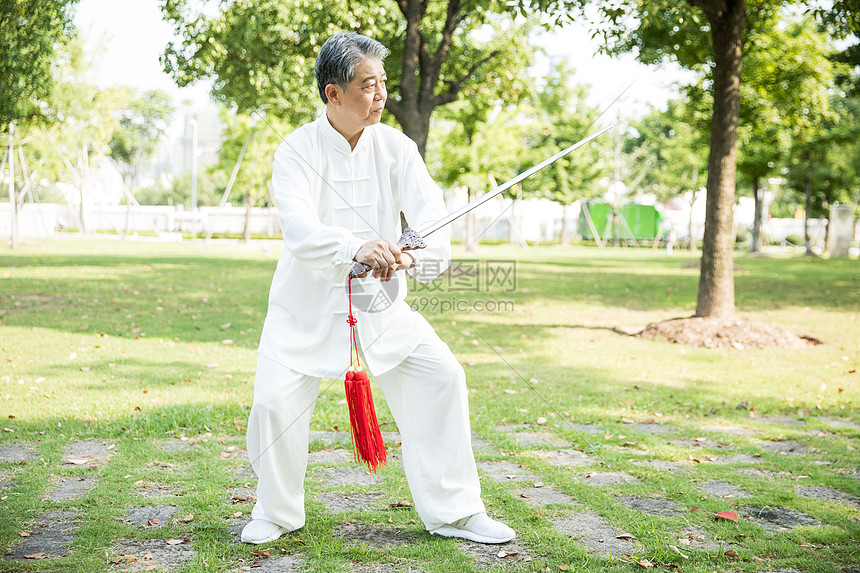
[331,200]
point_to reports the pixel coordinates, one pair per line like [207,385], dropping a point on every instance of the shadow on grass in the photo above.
[194,298]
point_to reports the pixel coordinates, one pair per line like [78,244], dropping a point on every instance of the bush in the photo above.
[796,240]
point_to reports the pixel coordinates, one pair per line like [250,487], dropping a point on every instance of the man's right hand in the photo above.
[381,255]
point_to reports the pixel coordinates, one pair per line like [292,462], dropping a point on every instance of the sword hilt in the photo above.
[408,241]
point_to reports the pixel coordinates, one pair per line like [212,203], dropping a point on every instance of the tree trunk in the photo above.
[807,190]
[565,232]
[758,193]
[13,195]
[716,296]
[470,225]
[692,246]
[246,230]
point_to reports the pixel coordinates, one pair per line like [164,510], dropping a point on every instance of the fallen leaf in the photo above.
[539,484]
[76,461]
[39,555]
[261,553]
[502,554]
[188,518]
[132,558]
[153,521]
[24,533]
[174,541]
[626,421]
[731,553]
[149,556]
[694,509]
[541,420]
[401,504]
[678,551]
[645,563]
[729,515]
[525,495]
[759,559]
[631,444]
[225,326]
[237,514]
[625,536]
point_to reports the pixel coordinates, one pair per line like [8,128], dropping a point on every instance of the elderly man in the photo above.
[340,184]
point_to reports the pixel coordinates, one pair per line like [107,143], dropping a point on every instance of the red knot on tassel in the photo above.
[367,443]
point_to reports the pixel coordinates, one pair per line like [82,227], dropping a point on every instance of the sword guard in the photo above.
[410,240]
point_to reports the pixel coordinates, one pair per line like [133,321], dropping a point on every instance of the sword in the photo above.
[411,239]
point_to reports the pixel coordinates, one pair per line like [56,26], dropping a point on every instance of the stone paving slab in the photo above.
[783,420]
[729,429]
[528,439]
[778,519]
[701,443]
[827,494]
[50,536]
[486,557]
[663,466]
[330,438]
[545,495]
[759,473]
[720,488]
[374,536]
[151,516]
[341,503]
[652,505]
[737,459]
[784,447]
[607,478]
[585,428]
[506,471]
[652,428]
[283,564]
[840,423]
[596,535]
[18,453]
[151,554]
[88,453]
[352,475]
[70,488]
[382,568]
[338,456]
[177,445]
[565,457]
[480,445]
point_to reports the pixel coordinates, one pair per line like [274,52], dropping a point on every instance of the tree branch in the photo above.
[456,85]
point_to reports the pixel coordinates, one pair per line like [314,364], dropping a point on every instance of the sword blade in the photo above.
[507,185]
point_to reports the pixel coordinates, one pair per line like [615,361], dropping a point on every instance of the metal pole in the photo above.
[13,199]
[194,141]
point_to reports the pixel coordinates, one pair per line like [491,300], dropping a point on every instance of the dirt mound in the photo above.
[735,332]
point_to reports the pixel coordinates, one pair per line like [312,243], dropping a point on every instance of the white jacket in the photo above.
[331,199]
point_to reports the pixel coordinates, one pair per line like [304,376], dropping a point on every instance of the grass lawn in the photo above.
[127,375]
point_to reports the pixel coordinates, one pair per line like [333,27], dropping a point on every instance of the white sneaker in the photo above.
[261,531]
[479,528]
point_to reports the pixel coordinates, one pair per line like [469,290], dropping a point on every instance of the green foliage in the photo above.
[260,53]
[142,123]
[177,190]
[560,117]
[31,33]
[670,149]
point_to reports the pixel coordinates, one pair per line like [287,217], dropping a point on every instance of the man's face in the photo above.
[364,98]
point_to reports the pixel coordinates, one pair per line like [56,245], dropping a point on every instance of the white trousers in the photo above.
[427,395]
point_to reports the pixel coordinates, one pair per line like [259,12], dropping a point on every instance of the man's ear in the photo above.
[332,92]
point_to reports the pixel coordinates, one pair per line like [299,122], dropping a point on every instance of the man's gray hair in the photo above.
[340,55]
